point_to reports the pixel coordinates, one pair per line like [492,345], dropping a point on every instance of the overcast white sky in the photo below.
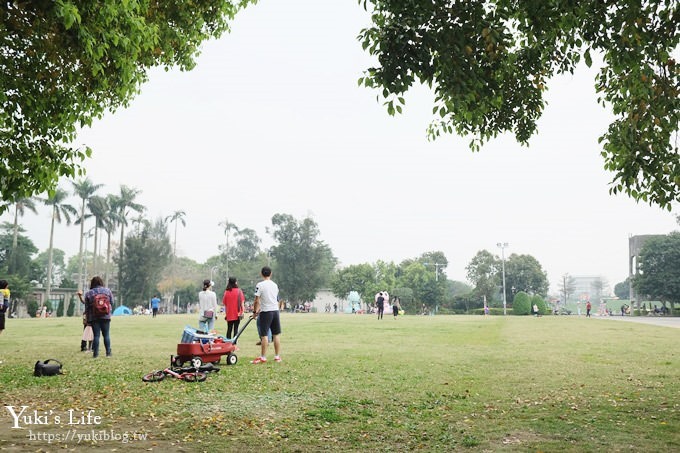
[272,121]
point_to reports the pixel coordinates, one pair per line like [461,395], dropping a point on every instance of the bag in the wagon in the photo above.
[191,335]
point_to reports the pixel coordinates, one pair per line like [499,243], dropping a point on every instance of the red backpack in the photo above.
[101,306]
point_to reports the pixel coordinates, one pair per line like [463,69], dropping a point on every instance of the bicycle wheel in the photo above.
[154,376]
[195,376]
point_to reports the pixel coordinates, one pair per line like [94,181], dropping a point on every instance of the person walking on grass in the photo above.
[155,302]
[588,308]
[380,305]
[266,310]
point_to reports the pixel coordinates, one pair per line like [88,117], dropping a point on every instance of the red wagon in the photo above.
[200,349]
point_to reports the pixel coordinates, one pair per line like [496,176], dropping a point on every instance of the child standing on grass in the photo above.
[88,335]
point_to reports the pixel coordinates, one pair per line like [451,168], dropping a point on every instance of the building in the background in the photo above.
[591,288]
[325,299]
[635,245]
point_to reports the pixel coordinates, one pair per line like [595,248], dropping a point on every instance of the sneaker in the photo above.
[258,360]
[277,359]
[259,343]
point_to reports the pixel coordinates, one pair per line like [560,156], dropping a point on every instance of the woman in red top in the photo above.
[233,302]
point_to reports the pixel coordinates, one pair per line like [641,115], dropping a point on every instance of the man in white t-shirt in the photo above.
[266,308]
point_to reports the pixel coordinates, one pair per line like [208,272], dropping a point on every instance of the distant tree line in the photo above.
[147,264]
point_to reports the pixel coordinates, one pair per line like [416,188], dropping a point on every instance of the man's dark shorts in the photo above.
[269,320]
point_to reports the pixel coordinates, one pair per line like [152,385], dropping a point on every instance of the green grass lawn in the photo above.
[350,383]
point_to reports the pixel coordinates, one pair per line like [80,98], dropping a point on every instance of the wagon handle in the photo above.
[238,334]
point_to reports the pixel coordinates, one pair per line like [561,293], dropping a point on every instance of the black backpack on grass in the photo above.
[46,368]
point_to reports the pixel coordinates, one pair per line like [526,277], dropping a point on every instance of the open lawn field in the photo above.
[352,383]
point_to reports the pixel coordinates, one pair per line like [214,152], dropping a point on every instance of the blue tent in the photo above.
[122,311]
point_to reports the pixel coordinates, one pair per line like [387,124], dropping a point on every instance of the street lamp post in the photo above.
[502,245]
[83,267]
[226,226]
[82,277]
[436,269]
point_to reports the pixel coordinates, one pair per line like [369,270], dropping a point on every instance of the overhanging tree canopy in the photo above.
[488,62]
[65,62]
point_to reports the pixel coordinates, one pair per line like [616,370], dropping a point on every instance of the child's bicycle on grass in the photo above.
[185,374]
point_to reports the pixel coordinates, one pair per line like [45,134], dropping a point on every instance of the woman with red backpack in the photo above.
[98,306]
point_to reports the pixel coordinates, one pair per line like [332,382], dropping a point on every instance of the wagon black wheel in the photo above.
[232,359]
[196,376]
[177,361]
[154,376]
[196,362]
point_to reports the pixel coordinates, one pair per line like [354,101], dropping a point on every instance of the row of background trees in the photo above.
[147,263]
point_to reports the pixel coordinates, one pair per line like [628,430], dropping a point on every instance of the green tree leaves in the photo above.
[659,277]
[488,62]
[65,63]
[147,253]
[525,273]
[304,263]
[521,304]
[415,281]
[484,271]
[622,289]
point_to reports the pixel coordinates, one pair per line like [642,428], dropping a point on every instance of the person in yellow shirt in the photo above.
[4,303]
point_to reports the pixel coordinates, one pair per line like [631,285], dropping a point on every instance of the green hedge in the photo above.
[521,304]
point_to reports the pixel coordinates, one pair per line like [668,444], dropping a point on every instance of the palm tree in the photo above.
[59,209]
[175,217]
[84,190]
[227,227]
[140,222]
[20,207]
[99,208]
[122,205]
[110,227]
